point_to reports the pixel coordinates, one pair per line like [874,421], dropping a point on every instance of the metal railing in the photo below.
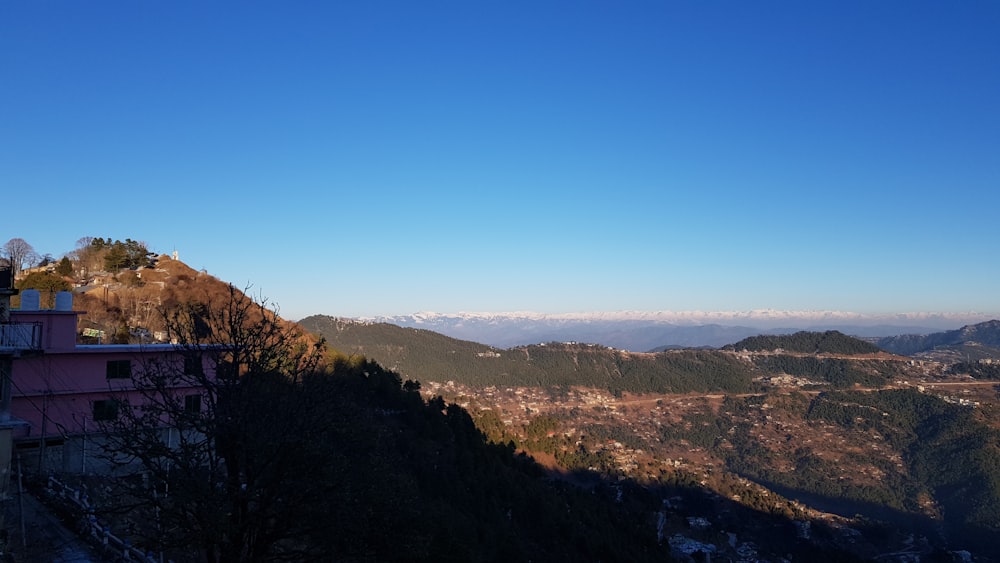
[16,336]
[99,532]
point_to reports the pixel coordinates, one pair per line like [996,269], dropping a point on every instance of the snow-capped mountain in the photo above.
[643,330]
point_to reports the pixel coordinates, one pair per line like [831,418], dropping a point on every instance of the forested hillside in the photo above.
[416,481]
[829,342]
[949,455]
[431,357]
[428,356]
[906,458]
[837,372]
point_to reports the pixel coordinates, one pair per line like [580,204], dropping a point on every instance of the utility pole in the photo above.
[8,340]
[8,348]
[83,454]
[41,443]
[20,501]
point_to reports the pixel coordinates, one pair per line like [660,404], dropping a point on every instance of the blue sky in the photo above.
[376,157]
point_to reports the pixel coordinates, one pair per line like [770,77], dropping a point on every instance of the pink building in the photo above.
[59,392]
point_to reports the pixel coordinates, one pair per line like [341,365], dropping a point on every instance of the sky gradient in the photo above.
[376,157]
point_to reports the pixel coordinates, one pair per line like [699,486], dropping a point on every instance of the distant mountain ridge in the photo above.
[639,331]
[977,341]
[765,317]
[430,356]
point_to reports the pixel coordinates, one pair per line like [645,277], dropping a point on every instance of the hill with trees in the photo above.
[950,455]
[806,342]
[428,356]
[121,286]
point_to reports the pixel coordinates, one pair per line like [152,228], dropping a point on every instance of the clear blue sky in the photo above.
[375,157]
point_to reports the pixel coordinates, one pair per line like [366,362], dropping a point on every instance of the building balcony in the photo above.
[18,337]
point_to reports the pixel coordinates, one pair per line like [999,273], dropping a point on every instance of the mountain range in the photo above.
[639,331]
[426,355]
[971,342]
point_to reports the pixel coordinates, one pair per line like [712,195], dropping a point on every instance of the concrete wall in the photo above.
[83,454]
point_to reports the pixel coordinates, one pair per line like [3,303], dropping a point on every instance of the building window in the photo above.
[192,404]
[119,369]
[193,366]
[224,370]
[106,409]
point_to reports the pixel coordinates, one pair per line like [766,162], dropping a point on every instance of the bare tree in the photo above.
[139,305]
[19,253]
[88,257]
[219,433]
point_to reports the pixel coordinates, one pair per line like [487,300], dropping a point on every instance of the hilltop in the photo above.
[829,342]
[126,305]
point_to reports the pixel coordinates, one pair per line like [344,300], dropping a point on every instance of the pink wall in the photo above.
[59,327]
[65,385]
[65,379]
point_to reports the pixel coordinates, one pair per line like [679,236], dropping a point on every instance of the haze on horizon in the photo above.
[762,319]
[360,159]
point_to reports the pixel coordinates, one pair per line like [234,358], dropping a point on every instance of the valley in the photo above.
[887,454]
[764,451]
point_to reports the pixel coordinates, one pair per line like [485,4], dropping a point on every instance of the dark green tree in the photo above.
[116,258]
[65,267]
[120,255]
[47,283]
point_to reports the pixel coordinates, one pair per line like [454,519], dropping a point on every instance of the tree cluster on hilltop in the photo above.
[120,286]
[807,342]
[114,255]
[92,254]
